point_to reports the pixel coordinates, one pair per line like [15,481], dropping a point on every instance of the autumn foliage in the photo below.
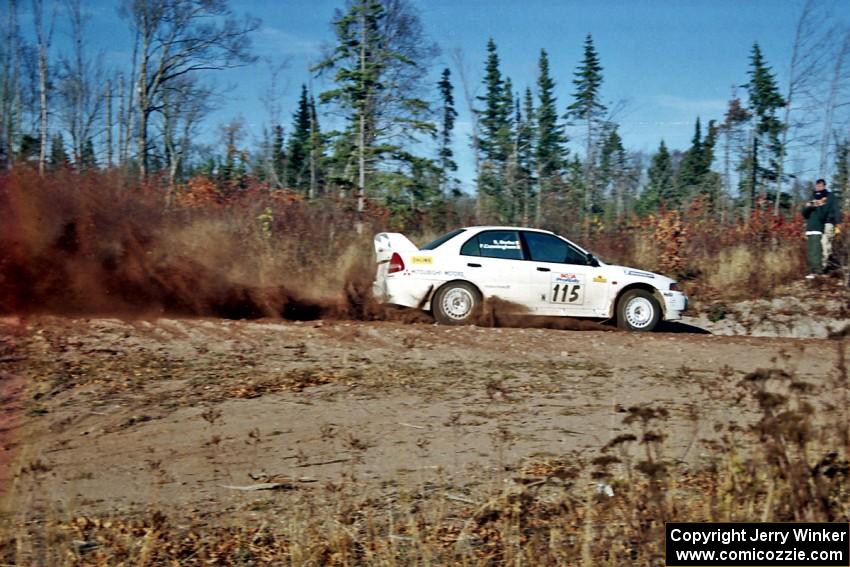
[102,242]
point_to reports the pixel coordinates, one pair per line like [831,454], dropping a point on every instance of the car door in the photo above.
[562,280]
[494,261]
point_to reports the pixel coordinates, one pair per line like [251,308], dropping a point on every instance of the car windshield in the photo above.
[442,240]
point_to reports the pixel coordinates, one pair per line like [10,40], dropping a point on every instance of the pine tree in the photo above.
[495,138]
[298,147]
[526,138]
[448,114]
[691,169]
[378,63]
[58,157]
[612,173]
[550,152]
[660,187]
[317,151]
[496,114]
[733,122]
[88,159]
[765,100]
[588,108]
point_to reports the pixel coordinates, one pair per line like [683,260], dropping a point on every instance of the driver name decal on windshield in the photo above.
[567,288]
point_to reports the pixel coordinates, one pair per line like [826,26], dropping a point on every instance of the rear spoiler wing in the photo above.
[386,243]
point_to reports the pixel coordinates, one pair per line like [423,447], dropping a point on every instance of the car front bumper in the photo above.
[675,302]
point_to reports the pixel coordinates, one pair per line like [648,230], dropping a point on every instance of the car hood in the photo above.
[634,274]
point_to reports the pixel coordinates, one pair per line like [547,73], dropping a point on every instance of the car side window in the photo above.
[548,248]
[502,244]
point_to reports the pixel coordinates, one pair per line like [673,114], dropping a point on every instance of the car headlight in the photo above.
[675,286]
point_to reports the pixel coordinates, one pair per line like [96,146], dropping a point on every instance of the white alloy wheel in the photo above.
[638,310]
[455,303]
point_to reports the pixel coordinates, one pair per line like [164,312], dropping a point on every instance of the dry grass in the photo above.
[742,272]
[789,464]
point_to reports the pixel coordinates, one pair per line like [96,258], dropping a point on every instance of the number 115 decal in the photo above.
[567,288]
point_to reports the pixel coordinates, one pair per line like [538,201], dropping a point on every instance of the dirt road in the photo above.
[121,415]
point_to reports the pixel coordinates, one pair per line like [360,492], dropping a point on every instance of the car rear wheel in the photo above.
[638,310]
[455,303]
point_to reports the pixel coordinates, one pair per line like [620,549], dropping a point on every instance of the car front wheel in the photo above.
[638,310]
[455,303]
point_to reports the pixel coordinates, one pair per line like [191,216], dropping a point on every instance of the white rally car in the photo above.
[545,273]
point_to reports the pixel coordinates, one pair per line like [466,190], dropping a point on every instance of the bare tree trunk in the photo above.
[361,141]
[142,104]
[122,119]
[727,172]
[588,179]
[108,99]
[43,43]
[810,45]
[538,209]
[829,110]
[314,152]
[9,91]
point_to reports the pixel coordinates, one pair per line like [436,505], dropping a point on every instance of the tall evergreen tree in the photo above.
[765,101]
[58,157]
[298,146]
[495,139]
[613,170]
[588,109]
[526,138]
[734,121]
[692,168]
[317,151]
[379,61]
[496,114]
[550,152]
[88,159]
[660,188]
[448,115]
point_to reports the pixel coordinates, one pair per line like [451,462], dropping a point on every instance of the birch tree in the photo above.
[80,96]
[179,38]
[44,37]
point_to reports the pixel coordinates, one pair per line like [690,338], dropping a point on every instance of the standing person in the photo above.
[830,227]
[815,212]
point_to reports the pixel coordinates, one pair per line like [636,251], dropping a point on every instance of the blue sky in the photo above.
[667,61]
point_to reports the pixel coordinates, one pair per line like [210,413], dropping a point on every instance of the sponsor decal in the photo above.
[640,274]
[501,245]
[565,278]
[421,260]
[453,274]
[421,272]
[599,279]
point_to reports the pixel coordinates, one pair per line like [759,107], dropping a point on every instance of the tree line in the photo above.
[392,116]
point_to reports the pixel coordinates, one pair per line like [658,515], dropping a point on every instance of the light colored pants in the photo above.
[826,243]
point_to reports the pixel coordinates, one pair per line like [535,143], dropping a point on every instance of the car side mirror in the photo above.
[591,260]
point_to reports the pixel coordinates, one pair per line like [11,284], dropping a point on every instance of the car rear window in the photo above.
[442,240]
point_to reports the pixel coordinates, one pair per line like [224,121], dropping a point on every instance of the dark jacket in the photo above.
[833,209]
[817,216]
